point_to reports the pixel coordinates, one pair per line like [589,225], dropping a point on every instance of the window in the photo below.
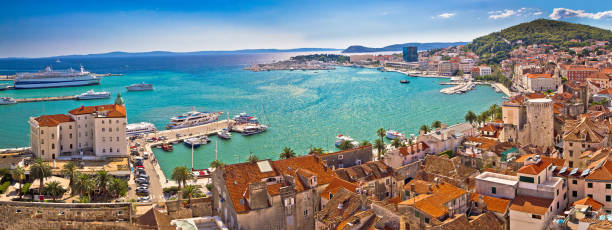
[42,141]
[103,139]
[340,157]
[565,196]
[52,136]
[52,146]
[42,132]
[110,130]
[574,193]
[590,185]
[103,129]
[117,121]
[608,186]
[608,198]
[571,153]
[526,179]
[590,195]
[111,150]
[102,121]
[571,144]
[571,164]
[331,195]
[426,220]
[574,182]
[42,152]
[70,127]
[70,136]
[103,150]
[557,192]
[494,190]
[70,146]
[117,138]
[416,214]
[306,212]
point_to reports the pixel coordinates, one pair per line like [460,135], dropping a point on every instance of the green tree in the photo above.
[101,179]
[287,153]
[70,170]
[18,174]
[253,159]
[117,187]
[381,133]
[380,146]
[345,145]
[364,143]
[316,150]
[436,124]
[216,164]
[190,191]
[424,128]
[470,116]
[40,170]
[397,142]
[84,185]
[54,189]
[181,174]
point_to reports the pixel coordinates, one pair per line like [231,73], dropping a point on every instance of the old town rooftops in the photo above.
[494,204]
[590,202]
[530,204]
[584,129]
[335,185]
[535,165]
[538,75]
[433,204]
[111,110]
[52,120]
[369,171]
[238,177]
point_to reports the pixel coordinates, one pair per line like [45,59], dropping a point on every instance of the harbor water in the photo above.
[303,108]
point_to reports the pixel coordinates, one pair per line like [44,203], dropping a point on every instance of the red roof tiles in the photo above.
[52,120]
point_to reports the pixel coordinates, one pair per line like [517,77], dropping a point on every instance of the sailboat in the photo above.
[201,173]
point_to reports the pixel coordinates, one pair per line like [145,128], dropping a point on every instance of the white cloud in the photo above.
[444,15]
[537,13]
[560,13]
[502,14]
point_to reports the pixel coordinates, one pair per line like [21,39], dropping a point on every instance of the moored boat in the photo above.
[90,94]
[167,147]
[139,128]
[192,118]
[193,142]
[49,78]
[139,87]
[342,138]
[245,118]
[254,129]
[224,134]
[7,101]
[392,134]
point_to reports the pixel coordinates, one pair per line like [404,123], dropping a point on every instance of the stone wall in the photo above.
[202,207]
[29,215]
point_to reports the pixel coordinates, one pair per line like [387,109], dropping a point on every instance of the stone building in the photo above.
[446,138]
[528,120]
[348,158]
[401,156]
[580,136]
[374,178]
[88,133]
[344,204]
[282,194]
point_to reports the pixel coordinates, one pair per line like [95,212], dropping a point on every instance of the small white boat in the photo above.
[245,118]
[139,128]
[194,142]
[139,87]
[392,134]
[341,138]
[7,101]
[90,94]
[251,130]
[224,134]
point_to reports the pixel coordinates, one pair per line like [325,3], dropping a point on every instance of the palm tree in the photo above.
[381,133]
[180,174]
[70,170]
[40,170]
[364,143]
[101,180]
[481,118]
[192,191]
[54,189]
[18,174]
[436,124]
[470,116]
[287,153]
[253,158]
[84,185]
[216,164]
[380,146]
[346,145]
[117,187]
[397,142]
[316,150]
[424,128]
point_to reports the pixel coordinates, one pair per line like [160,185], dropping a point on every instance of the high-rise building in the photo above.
[410,54]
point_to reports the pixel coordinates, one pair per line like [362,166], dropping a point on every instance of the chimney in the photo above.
[429,189]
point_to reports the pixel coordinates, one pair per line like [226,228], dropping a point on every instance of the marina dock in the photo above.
[38,99]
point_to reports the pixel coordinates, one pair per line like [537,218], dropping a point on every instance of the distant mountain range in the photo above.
[398,47]
[168,53]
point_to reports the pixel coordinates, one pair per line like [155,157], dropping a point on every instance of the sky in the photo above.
[61,27]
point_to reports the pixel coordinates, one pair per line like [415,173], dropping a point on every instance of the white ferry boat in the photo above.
[7,101]
[192,118]
[341,138]
[90,94]
[140,128]
[224,134]
[254,129]
[244,118]
[139,87]
[49,78]
[392,134]
[194,142]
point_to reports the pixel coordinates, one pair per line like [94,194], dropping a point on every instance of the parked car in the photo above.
[143,175]
[144,199]
[146,155]
[141,181]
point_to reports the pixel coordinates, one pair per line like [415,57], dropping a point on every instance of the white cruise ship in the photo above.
[90,94]
[139,87]
[192,118]
[140,128]
[49,78]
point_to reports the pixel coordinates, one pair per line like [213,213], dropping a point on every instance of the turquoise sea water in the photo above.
[302,108]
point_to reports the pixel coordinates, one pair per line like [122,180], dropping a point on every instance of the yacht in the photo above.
[192,118]
[245,118]
[49,78]
[90,94]
[392,134]
[341,138]
[140,128]
[224,134]
[194,142]
[4,87]
[7,101]
[255,129]
[139,87]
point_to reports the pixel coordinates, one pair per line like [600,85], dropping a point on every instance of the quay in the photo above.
[38,99]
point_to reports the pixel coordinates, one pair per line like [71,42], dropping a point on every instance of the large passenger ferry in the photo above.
[192,118]
[49,78]
[140,128]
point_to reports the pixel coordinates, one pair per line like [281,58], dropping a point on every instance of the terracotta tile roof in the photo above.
[343,205]
[485,143]
[489,128]
[368,171]
[555,161]
[530,204]
[494,204]
[535,169]
[579,68]
[607,91]
[589,201]
[606,70]
[349,150]
[414,148]
[598,75]
[486,221]
[600,173]
[538,75]
[446,167]
[239,176]
[335,185]
[420,186]
[111,110]
[367,218]
[52,120]
[584,129]
[434,204]
[595,155]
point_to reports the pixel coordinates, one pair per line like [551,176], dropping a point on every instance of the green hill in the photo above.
[496,46]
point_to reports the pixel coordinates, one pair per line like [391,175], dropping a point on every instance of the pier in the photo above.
[38,99]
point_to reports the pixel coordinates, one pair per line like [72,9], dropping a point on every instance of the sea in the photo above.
[303,109]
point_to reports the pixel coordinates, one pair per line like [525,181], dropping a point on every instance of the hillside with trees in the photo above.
[496,46]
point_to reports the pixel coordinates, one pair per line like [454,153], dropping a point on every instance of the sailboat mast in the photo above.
[192,156]
[216,149]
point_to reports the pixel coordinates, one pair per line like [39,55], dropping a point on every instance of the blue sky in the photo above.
[48,28]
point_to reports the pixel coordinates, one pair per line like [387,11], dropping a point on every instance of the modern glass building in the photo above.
[410,54]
